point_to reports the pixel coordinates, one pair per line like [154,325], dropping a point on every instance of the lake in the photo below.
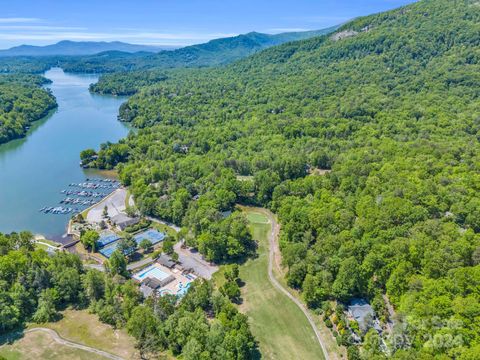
[34,170]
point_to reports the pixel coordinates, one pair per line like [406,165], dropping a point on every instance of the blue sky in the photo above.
[170,22]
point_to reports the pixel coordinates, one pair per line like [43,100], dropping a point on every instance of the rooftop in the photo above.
[362,312]
[123,220]
[166,261]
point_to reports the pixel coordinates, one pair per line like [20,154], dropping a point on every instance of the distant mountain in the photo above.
[233,48]
[213,53]
[74,48]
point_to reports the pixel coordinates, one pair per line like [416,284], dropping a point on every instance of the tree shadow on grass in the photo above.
[11,337]
[256,355]
[136,256]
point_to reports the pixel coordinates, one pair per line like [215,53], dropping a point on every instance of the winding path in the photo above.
[58,339]
[273,252]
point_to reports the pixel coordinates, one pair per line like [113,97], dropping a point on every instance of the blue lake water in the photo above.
[34,170]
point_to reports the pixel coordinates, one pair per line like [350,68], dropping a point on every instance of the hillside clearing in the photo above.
[39,345]
[85,328]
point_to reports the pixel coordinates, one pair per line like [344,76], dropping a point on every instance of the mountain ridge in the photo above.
[76,48]
[212,53]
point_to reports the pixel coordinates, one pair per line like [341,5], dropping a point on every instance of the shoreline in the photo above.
[87,210]
[28,171]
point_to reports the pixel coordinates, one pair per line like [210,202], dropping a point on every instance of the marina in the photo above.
[36,169]
[59,210]
[83,193]
[82,200]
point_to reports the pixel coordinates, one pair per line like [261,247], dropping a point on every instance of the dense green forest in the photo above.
[215,52]
[35,286]
[127,83]
[22,101]
[389,103]
[27,65]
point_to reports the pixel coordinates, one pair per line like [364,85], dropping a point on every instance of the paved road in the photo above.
[95,266]
[140,263]
[57,338]
[273,240]
[173,226]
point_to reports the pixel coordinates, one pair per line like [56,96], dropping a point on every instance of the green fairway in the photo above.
[257,218]
[280,327]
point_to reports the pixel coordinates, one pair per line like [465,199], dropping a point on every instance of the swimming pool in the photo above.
[151,272]
[165,291]
[182,290]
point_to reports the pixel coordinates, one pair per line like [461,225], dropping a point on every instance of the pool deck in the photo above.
[173,287]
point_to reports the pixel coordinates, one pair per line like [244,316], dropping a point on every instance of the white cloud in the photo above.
[25,30]
[18,20]
[41,34]
[39,28]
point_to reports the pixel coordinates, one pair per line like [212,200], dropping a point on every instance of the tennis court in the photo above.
[108,250]
[153,235]
[106,238]
[108,241]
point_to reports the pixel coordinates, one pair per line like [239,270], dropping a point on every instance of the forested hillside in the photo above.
[22,101]
[155,67]
[127,83]
[215,52]
[35,286]
[390,104]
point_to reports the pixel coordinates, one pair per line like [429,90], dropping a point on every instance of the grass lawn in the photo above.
[50,242]
[165,229]
[85,328]
[277,323]
[41,246]
[38,345]
[85,212]
[256,218]
[127,199]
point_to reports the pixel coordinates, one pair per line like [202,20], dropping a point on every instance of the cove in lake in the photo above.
[34,170]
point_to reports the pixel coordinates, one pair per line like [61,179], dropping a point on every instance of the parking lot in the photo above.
[195,261]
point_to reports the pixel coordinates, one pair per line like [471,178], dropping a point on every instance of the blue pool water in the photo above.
[152,272]
[182,290]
